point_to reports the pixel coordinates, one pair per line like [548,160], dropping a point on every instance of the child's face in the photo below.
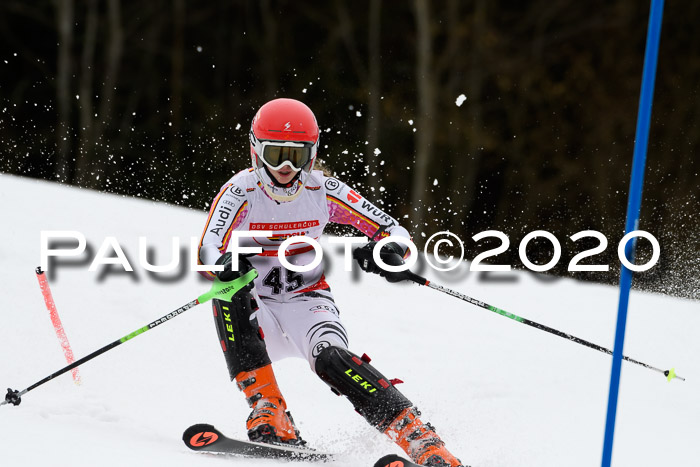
[283,175]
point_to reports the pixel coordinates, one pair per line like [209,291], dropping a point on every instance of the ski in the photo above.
[392,460]
[205,438]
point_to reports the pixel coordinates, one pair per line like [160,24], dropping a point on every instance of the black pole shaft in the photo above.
[423,281]
[71,366]
[107,347]
[591,345]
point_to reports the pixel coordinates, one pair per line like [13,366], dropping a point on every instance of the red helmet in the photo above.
[284,132]
[290,128]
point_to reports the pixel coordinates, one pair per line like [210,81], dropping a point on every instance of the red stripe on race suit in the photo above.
[321,284]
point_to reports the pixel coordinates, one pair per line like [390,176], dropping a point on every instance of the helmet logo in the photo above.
[288,126]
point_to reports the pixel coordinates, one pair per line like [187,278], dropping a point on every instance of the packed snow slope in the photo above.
[500,393]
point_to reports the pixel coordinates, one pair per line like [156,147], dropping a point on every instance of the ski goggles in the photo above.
[276,154]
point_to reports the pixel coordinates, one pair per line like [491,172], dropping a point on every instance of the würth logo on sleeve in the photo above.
[353,197]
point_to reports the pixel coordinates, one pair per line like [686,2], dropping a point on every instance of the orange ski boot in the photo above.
[420,441]
[269,422]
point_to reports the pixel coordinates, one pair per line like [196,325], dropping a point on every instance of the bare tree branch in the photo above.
[65,20]
[425,122]
[114,54]
[374,79]
[345,29]
[86,148]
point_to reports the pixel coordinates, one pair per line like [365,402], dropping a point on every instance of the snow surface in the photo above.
[499,393]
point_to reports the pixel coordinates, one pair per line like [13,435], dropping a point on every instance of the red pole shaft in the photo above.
[56,321]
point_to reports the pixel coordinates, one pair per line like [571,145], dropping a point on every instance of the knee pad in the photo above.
[240,337]
[373,396]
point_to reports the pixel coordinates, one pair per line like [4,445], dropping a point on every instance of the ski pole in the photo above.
[669,374]
[222,290]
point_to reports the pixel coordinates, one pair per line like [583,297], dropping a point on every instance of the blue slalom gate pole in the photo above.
[646,98]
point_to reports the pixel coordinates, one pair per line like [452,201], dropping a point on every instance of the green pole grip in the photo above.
[226,290]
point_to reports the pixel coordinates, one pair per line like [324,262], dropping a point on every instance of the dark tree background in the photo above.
[154,99]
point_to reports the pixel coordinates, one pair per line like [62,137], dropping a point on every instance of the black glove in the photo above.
[228,274]
[391,254]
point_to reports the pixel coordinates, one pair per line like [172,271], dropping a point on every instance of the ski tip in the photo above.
[200,435]
[205,438]
[392,460]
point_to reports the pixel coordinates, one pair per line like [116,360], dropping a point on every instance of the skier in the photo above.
[290,313]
